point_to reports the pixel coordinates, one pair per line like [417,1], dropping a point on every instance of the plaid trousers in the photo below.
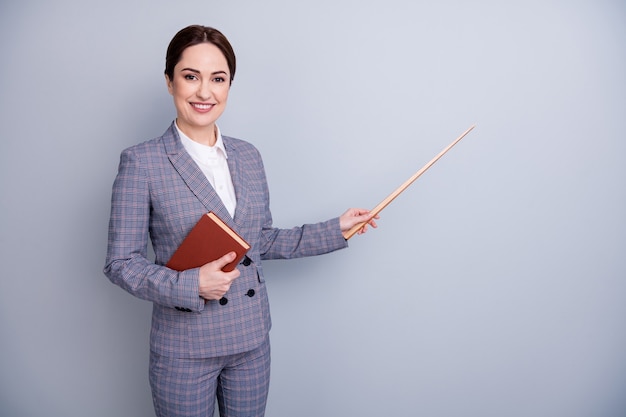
[188,387]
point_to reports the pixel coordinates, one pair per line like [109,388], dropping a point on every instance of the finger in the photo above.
[365,218]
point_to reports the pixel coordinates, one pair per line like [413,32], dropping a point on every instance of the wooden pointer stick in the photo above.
[348,234]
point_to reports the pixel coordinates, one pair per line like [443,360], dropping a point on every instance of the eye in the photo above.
[219,79]
[190,77]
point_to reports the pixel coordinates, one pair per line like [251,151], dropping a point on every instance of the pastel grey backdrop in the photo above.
[494,286]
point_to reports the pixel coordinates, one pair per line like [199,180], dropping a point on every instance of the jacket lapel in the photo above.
[192,175]
[237,176]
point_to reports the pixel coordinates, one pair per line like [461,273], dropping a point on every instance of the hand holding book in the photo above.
[216,249]
[213,282]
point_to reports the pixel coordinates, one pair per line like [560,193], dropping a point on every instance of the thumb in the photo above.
[225,260]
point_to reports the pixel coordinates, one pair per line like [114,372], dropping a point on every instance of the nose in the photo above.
[204,90]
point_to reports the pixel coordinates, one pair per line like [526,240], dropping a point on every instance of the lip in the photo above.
[202,107]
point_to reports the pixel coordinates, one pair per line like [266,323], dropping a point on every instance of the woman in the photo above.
[209,335]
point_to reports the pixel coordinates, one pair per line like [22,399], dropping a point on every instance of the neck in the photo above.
[205,136]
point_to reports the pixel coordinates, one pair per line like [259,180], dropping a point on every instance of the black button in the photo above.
[223,301]
[246,261]
[186,310]
[250,293]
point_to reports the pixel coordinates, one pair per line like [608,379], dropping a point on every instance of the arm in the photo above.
[312,239]
[307,240]
[127,264]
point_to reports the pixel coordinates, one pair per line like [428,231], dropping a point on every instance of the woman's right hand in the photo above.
[213,282]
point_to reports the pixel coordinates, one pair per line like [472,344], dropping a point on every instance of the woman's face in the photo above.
[200,88]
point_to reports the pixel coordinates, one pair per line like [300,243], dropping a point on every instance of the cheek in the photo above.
[180,101]
[179,90]
[224,94]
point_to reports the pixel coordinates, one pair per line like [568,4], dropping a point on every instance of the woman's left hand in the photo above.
[354,216]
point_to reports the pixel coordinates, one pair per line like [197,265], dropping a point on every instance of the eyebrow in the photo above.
[198,72]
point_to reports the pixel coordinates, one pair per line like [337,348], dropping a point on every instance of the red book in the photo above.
[209,240]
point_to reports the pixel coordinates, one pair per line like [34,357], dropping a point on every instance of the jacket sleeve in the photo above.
[127,264]
[306,240]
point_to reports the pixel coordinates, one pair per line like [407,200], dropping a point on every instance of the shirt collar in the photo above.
[199,149]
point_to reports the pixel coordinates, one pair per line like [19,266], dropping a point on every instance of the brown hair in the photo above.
[194,35]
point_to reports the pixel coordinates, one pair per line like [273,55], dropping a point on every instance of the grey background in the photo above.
[493,287]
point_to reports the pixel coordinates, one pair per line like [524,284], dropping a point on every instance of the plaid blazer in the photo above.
[158,195]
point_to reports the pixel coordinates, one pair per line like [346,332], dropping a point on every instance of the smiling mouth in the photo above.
[202,106]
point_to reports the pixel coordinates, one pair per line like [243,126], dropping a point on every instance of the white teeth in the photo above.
[202,106]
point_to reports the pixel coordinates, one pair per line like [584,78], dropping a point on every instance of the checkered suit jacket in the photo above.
[159,194]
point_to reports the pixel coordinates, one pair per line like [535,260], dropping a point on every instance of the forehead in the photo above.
[204,56]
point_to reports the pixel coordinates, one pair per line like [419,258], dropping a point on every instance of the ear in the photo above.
[170,87]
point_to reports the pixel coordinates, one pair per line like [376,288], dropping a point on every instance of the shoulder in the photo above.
[156,148]
[147,146]
[241,148]
[238,144]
